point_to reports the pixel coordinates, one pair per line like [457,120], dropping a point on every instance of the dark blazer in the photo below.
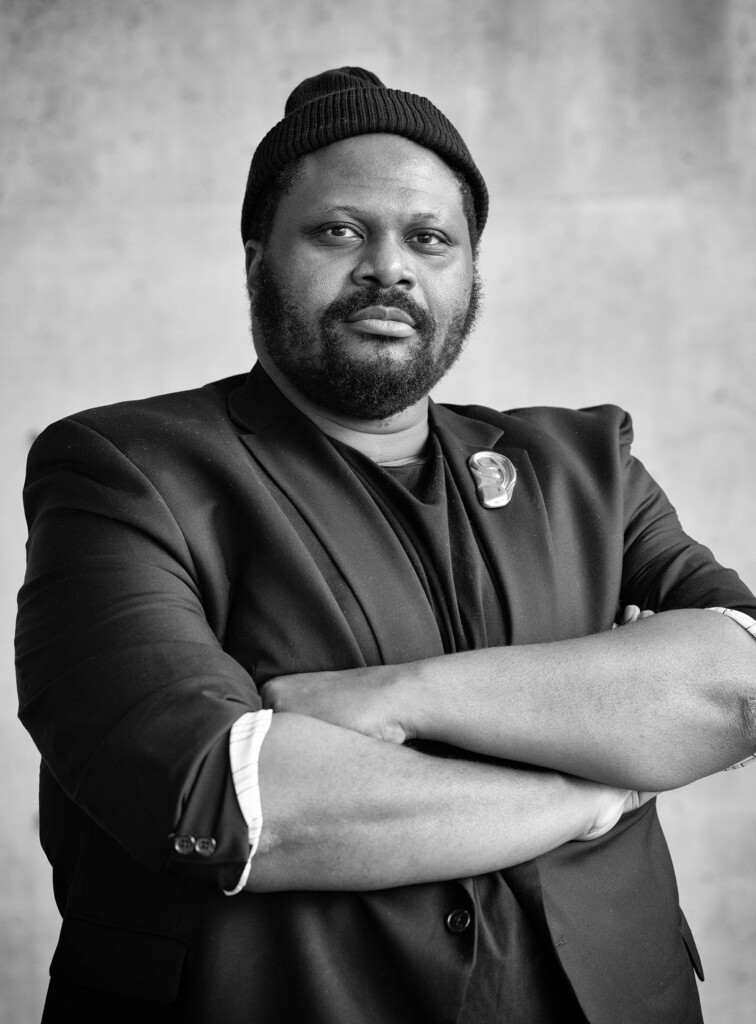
[187,548]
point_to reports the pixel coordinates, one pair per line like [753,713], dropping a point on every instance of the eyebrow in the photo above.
[355,211]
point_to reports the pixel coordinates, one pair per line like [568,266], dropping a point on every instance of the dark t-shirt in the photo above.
[516,976]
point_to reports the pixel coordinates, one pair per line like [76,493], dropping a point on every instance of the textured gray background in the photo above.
[618,138]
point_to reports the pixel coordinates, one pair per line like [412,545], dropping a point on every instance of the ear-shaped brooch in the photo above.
[494,476]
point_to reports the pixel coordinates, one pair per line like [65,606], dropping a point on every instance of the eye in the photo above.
[333,234]
[428,239]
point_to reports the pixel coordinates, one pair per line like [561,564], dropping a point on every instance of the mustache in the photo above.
[341,309]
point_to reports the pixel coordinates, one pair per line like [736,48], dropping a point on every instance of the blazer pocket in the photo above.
[130,963]
[690,945]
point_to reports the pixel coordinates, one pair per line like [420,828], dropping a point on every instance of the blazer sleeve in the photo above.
[664,568]
[123,685]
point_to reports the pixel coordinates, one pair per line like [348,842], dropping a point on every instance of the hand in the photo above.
[631,613]
[364,700]
[612,804]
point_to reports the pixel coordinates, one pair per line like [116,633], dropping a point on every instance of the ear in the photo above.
[253,251]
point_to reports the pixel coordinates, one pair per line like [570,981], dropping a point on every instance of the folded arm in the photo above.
[346,811]
[652,706]
[130,698]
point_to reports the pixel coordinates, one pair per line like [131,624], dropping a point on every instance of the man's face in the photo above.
[365,291]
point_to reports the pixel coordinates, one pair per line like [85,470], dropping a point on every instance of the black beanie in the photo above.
[346,102]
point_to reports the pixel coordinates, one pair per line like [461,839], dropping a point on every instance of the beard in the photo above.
[373,386]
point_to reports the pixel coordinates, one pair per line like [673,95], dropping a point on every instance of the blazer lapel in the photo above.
[516,538]
[305,466]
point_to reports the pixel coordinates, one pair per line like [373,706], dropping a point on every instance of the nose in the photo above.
[385,263]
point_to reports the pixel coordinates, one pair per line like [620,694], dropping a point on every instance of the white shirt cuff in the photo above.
[245,741]
[748,624]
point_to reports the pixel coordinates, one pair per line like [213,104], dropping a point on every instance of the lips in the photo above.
[382,321]
[382,313]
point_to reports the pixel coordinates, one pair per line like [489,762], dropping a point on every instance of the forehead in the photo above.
[376,170]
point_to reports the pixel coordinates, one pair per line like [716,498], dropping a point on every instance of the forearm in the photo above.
[653,705]
[345,811]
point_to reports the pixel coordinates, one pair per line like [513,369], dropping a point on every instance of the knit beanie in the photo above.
[345,102]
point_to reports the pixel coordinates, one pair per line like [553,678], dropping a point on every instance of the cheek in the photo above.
[447,299]
[313,284]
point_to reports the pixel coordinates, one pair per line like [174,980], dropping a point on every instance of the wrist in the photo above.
[419,698]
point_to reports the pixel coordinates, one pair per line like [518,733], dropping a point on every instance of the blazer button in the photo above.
[205,846]
[458,921]
[183,844]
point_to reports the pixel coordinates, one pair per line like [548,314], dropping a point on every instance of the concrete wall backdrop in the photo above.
[619,141]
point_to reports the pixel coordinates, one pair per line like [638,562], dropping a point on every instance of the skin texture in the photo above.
[345,805]
[651,706]
[345,811]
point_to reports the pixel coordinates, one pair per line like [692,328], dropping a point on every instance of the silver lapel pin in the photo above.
[494,476]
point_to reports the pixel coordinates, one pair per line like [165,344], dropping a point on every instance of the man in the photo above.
[449,816]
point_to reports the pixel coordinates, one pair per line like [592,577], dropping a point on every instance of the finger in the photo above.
[637,798]
[608,817]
